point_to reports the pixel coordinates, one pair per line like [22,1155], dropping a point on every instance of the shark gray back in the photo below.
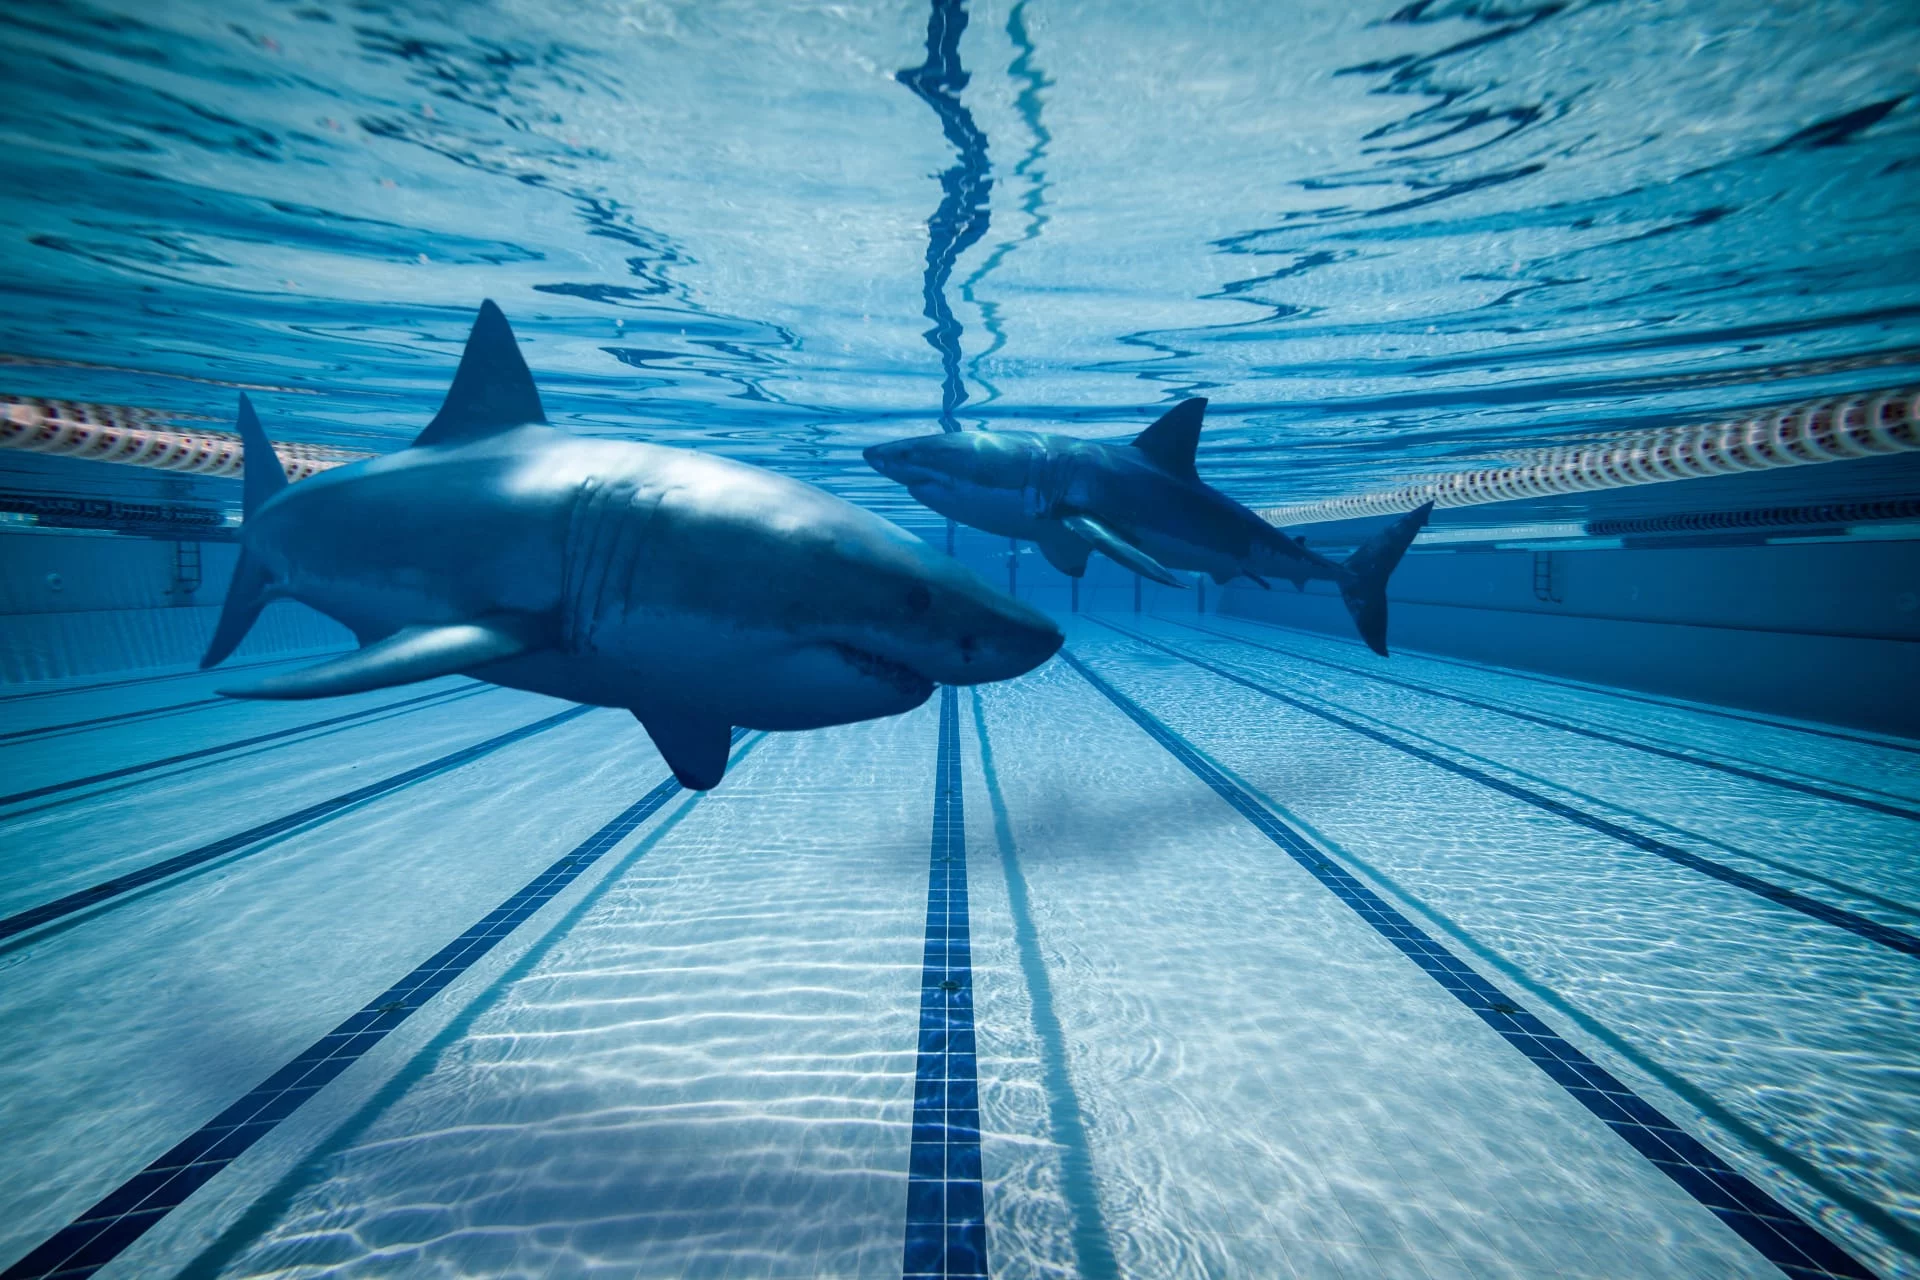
[698,592]
[1142,505]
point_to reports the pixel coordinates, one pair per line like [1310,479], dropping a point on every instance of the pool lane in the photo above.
[64,763]
[709,1070]
[130,1031]
[1267,1086]
[130,1211]
[1853,846]
[1686,756]
[1763,1222]
[98,896]
[1893,937]
[61,709]
[1771,1033]
[1874,764]
[70,848]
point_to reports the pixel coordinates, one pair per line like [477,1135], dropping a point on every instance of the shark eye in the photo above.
[919,599]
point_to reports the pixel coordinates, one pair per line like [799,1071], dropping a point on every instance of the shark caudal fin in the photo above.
[492,390]
[261,477]
[1365,587]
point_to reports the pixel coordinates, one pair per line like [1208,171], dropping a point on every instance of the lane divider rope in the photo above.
[1831,430]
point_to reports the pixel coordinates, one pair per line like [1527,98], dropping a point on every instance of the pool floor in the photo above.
[1210,949]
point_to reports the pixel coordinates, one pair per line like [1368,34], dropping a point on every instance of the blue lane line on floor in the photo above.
[103,1232]
[946,1202]
[241,744]
[75,726]
[93,895]
[315,655]
[1763,1222]
[1852,922]
[1567,726]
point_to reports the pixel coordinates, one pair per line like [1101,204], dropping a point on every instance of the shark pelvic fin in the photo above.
[1120,550]
[695,748]
[1065,552]
[492,390]
[1172,440]
[261,475]
[1365,587]
[409,654]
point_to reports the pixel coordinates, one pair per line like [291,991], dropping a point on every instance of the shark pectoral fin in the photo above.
[409,654]
[1065,552]
[1120,550]
[695,747]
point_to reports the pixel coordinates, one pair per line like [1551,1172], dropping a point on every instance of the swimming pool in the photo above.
[1577,938]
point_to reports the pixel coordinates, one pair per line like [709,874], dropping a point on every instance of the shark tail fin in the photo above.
[1365,586]
[261,474]
[261,477]
[246,596]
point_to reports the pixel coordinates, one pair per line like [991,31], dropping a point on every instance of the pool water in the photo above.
[1215,947]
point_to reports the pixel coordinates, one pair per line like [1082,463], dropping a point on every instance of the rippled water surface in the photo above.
[785,231]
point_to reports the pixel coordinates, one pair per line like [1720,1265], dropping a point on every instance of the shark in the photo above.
[698,592]
[1142,504]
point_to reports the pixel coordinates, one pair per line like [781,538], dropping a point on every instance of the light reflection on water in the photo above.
[1409,230]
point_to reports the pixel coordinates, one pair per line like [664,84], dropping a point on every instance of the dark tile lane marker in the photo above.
[1092,1246]
[946,1201]
[1872,930]
[317,655]
[1693,708]
[34,917]
[1770,1227]
[105,1231]
[1566,726]
[151,713]
[240,745]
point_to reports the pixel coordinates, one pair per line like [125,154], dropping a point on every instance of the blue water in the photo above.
[1579,938]
[788,231]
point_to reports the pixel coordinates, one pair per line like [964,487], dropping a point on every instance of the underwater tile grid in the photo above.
[1203,951]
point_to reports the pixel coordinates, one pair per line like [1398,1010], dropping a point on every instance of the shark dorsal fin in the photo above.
[1171,441]
[491,392]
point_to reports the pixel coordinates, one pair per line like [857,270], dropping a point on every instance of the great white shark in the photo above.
[1142,504]
[698,592]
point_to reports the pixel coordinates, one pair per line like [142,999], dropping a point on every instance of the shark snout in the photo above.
[1002,639]
[907,462]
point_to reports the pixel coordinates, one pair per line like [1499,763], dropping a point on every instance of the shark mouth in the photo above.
[885,670]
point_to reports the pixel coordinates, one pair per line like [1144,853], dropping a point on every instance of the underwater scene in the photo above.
[1036,639]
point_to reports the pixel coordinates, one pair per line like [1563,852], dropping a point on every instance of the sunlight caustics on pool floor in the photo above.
[1210,949]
